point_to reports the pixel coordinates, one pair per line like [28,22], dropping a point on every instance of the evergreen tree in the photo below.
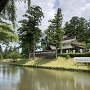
[29,32]
[55,32]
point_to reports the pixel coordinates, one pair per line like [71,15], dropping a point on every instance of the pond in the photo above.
[24,78]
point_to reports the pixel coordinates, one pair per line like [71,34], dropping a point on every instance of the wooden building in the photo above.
[69,44]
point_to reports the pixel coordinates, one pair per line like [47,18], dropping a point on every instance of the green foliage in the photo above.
[1,57]
[5,53]
[29,32]
[8,9]
[14,55]
[54,33]
[79,28]
[76,54]
[86,45]
[7,35]
[67,56]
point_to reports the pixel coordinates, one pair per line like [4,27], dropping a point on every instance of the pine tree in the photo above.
[55,31]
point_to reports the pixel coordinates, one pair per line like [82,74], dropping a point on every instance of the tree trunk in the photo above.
[34,48]
[34,52]
[29,54]
[56,52]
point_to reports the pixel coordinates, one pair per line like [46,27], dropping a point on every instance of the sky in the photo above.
[70,8]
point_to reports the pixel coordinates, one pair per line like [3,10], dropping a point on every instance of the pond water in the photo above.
[24,78]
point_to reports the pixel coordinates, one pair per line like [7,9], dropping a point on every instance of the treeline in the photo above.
[77,27]
[9,53]
[30,33]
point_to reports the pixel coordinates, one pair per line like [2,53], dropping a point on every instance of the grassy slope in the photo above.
[59,63]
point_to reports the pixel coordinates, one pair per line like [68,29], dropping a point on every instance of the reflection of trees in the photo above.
[43,79]
[9,76]
[38,79]
[9,73]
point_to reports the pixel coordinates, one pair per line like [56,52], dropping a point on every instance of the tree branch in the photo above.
[2,4]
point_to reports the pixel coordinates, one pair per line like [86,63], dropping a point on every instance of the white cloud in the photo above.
[48,10]
[71,8]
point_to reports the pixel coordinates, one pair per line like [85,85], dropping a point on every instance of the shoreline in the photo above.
[53,68]
[60,64]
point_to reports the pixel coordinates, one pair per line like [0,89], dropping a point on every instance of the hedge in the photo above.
[76,54]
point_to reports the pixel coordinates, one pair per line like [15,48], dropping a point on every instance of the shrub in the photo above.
[76,54]
[67,56]
[14,55]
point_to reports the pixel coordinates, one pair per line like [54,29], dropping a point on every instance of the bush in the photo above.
[76,54]
[14,55]
[67,56]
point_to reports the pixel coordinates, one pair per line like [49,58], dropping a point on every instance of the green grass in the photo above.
[61,62]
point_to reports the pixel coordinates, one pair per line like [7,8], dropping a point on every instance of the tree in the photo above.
[44,43]
[8,9]
[7,35]
[14,54]
[54,33]
[1,52]
[5,53]
[79,28]
[29,32]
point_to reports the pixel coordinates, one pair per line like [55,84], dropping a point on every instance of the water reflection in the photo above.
[21,78]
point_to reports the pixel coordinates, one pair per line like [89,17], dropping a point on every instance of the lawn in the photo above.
[60,63]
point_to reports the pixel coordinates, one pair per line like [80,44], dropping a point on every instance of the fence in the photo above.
[49,54]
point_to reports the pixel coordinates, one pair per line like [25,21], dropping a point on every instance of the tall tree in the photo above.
[29,32]
[54,33]
[78,27]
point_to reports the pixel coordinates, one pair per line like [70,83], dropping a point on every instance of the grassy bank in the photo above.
[60,63]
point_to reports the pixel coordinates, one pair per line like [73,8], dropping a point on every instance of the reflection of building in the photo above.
[70,44]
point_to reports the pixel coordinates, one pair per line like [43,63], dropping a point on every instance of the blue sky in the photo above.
[56,3]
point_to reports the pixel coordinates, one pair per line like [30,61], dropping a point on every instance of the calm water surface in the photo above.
[23,78]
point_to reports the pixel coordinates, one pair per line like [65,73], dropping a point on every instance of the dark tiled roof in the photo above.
[68,38]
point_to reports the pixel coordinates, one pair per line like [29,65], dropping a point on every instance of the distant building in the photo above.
[69,44]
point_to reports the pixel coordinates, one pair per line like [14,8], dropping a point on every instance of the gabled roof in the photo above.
[67,43]
[52,47]
[68,40]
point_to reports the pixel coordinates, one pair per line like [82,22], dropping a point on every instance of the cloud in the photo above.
[69,8]
[48,10]
[78,8]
